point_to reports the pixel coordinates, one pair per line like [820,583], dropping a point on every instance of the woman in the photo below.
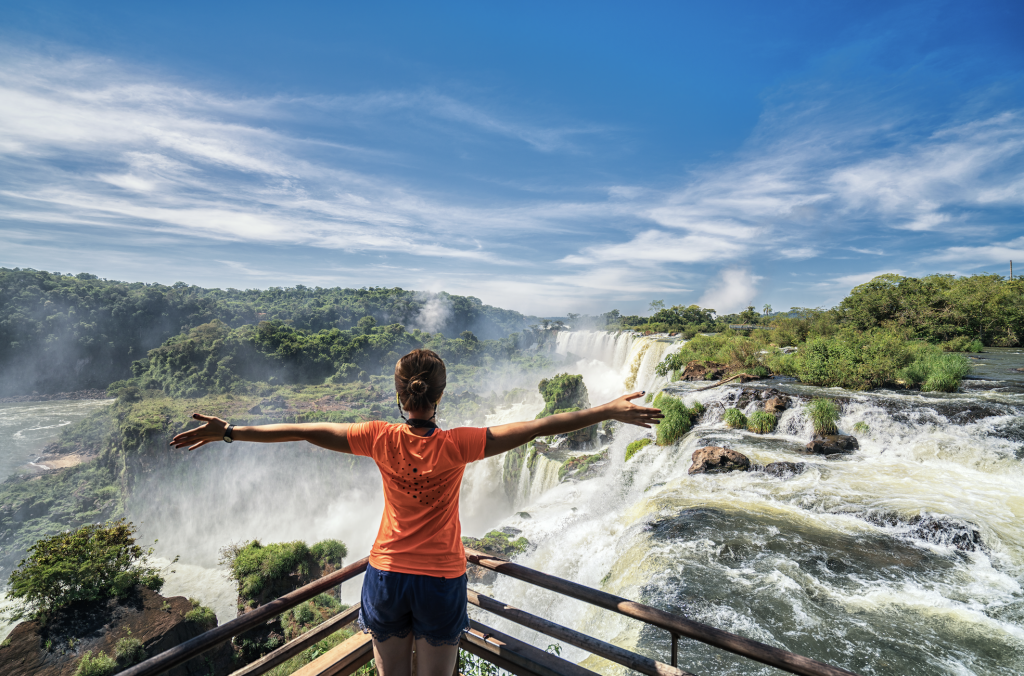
[414,590]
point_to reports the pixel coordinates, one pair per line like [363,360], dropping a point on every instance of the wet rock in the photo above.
[776,404]
[697,370]
[788,350]
[832,444]
[1020,369]
[784,470]
[940,530]
[715,459]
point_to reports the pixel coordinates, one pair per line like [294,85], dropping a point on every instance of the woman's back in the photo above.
[420,531]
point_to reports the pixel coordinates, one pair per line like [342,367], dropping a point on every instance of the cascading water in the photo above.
[905,557]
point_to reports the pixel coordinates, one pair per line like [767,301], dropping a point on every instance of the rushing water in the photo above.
[826,563]
[27,427]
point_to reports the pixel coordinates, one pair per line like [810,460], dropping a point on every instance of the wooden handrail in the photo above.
[755,650]
[645,665]
[196,646]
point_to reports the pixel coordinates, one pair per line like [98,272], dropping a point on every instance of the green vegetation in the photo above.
[734,418]
[635,447]
[677,421]
[201,614]
[579,465]
[940,308]
[99,665]
[824,414]
[129,651]
[856,360]
[861,427]
[264,572]
[687,320]
[936,372]
[498,543]
[86,331]
[92,563]
[762,422]
[563,393]
[305,616]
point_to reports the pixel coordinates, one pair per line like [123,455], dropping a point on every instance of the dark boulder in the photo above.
[698,370]
[715,459]
[784,470]
[832,444]
[937,529]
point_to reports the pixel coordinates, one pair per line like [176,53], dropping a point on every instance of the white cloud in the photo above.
[734,291]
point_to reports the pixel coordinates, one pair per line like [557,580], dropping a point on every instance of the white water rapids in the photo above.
[825,563]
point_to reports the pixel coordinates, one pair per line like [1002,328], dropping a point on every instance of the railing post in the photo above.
[675,649]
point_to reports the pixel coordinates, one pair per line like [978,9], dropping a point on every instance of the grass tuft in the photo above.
[861,427]
[635,447]
[762,422]
[824,415]
[734,418]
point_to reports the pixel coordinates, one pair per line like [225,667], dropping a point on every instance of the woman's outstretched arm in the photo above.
[506,437]
[332,436]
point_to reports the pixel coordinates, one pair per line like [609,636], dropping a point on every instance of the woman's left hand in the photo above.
[624,410]
[211,430]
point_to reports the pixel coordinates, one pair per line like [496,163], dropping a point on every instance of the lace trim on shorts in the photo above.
[379,637]
[438,642]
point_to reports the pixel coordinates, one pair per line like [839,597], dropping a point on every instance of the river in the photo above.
[833,562]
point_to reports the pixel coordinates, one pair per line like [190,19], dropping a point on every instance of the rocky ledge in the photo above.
[158,623]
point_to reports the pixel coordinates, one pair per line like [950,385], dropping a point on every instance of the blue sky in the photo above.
[549,157]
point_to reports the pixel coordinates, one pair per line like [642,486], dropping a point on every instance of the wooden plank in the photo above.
[523,654]
[183,652]
[300,643]
[755,650]
[352,653]
[645,665]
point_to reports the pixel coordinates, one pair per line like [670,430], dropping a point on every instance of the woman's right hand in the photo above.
[211,430]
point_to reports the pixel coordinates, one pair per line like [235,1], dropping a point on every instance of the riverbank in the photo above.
[78,395]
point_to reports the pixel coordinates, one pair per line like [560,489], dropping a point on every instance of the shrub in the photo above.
[129,651]
[697,409]
[100,665]
[861,427]
[201,615]
[498,542]
[734,418]
[677,420]
[329,552]
[936,371]
[635,447]
[762,422]
[824,415]
[92,563]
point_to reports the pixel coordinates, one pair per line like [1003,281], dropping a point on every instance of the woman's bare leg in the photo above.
[435,660]
[394,656]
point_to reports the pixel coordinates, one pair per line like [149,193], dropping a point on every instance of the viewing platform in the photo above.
[503,651]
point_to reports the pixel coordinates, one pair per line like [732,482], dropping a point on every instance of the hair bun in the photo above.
[417,386]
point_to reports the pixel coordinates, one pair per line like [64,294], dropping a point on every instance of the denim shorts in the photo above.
[433,608]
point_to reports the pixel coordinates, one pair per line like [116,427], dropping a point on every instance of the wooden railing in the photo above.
[505,652]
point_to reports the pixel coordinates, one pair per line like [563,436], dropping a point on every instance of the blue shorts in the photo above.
[433,608]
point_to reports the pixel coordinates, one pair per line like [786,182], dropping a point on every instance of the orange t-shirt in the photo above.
[420,531]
